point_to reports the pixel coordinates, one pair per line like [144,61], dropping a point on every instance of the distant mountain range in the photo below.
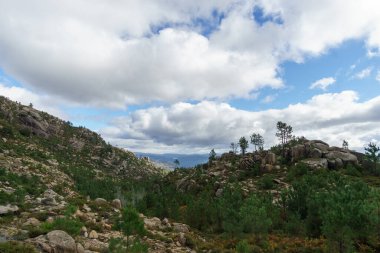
[186,160]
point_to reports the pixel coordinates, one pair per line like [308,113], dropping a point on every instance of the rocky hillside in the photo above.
[37,139]
[247,171]
[63,189]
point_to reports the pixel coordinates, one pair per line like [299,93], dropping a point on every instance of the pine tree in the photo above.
[257,140]
[243,143]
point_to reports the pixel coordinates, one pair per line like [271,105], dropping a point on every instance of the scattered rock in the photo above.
[93,235]
[182,238]
[32,222]
[8,209]
[152,223]
[219,192]
[80,248]
[116,203]
[179,227]
[100,201]
[50,220]
[95,245]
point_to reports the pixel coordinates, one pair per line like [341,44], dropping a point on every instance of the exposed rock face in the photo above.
[33,121]
[318,154]
[61,242]
[316,163]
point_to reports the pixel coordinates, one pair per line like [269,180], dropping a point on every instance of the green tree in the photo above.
[254,216]
[130,223]
[228,206]
[345,144]
[257,140]
[177,163]
[372,153]
[348,214]
[284,132]
[243,143]
[212,156]
[234,147]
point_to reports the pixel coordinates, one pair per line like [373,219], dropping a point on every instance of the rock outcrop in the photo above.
[315,153]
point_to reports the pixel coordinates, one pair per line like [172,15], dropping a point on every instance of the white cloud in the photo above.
[378,76]
[25,97]
[184,127]
[323,83]
[363,73]
[106,53]
[269,99]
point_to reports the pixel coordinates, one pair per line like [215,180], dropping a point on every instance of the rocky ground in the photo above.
[95,234]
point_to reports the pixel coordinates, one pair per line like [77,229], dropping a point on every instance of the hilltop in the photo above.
[64,188]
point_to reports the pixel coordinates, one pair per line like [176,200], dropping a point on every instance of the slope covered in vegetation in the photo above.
[63,182]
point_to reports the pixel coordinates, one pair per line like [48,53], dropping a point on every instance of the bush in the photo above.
[16,247]
[71,226]
[118,245]
[6,131]
[243,247]
[298,170]
[25,132]
[266,182]
[352,171]
[254,215]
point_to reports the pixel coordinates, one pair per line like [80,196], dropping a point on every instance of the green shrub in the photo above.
[352,171]
[266,182]
[23,185]
[25,132]
[70,210]
[6,131]
[118,245]
[243,247]
[16,247]
[298,170]
[71,226]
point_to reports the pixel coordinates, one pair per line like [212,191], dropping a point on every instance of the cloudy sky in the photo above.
[186,76]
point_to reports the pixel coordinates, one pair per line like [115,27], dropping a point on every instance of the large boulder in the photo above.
[8,209]
[346,157]
[335,164]
[297,153]
[100,202]
[117,203]
[152,223]
[315,153]
[324,147]
[61,242]
[179,227]
[270,158]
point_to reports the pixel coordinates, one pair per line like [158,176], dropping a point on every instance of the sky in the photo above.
[177,76]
